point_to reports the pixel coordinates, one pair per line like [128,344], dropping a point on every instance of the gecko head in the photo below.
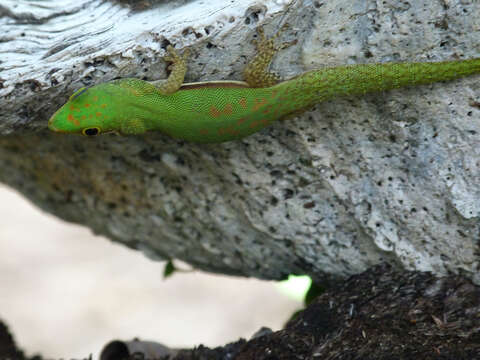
[86,112]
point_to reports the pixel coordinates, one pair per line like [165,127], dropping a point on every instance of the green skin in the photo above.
[221,111]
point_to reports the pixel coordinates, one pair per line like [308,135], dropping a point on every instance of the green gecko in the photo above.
[218,111]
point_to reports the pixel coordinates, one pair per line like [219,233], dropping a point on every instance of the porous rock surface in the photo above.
[389,177]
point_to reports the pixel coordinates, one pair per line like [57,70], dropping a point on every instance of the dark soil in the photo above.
[379,314]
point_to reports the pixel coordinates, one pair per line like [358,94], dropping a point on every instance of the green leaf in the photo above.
[169,269]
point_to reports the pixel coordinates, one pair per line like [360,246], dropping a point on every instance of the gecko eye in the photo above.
[93,131]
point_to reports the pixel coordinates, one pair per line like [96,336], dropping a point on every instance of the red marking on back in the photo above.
[214,112]
[103,106]
[72,119]
[258,104]
[254,124]
[98,114]
[231,130]
[243,102]
[87,105]
[264,122]
[241,121]
[83,117]
[203,131]
[95,98]
[72,107]
[227,110]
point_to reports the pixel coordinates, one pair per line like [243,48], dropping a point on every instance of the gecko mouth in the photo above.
[53,128]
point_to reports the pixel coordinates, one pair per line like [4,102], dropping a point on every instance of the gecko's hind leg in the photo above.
[256,73]
[178,68]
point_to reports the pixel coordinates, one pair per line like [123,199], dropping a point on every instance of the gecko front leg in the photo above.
[256,73]
[178,68]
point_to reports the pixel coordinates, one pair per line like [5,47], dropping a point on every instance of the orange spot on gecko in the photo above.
[98,114]
[229,130]
[84,117]
[95,98]
[90,116]
[214,112]
[72,107]
[232,131]
[103,106]
[228,109]
[274,93]
[72,119]
[203,131]
[87,105]
[268,109]
[254,124]
[243,102]
[258,104]
[241,121]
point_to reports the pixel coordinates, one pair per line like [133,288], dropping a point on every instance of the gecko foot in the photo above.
[256,73]
[177,68]
[264,43]
[175,58]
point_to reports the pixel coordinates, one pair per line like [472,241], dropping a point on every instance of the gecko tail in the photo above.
[324,84]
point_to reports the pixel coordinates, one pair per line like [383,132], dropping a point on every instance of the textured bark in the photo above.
[388,177]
